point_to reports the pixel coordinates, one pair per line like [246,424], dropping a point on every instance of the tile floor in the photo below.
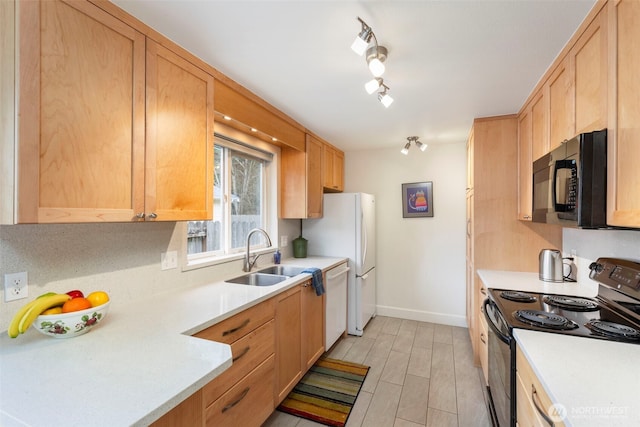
[421,374]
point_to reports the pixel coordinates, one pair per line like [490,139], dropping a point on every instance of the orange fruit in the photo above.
[98,298]
[76,304]
[52,310]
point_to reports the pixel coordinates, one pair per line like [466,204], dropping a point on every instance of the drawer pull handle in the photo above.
[537,404]
[484,341]
[235,402]
[230,331]
[245,351]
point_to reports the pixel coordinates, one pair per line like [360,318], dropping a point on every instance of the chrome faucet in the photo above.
[248,263]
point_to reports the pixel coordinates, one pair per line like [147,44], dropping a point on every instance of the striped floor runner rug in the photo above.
[327,393]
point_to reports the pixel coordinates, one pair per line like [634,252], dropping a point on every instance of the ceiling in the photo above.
[449,61]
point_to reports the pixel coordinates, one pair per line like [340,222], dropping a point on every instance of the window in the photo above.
[239,202]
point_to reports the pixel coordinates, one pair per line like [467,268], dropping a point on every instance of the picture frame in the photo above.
[417,199]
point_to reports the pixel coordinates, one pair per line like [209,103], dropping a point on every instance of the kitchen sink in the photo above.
[282,270]
[258,279]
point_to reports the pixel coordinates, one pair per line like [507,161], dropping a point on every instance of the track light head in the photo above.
[384,97]
[362,40]
[405,150]
[421,146]
[373,85]
[376,55]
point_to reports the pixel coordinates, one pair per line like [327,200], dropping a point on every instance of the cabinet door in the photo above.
[525,167]
[470,160]
[314,177]
[561,104]
[328,159]
[312,325]
[539,126]
[338,170]
[288,342]
[591,75]
[179,149]
[623,203]
[80,154]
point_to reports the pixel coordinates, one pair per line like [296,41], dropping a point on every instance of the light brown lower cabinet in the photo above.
[288,342]
[534,408]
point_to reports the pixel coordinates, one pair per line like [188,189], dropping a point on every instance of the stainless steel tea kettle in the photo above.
[550,265]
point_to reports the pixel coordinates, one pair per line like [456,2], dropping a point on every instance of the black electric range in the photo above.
[614,315]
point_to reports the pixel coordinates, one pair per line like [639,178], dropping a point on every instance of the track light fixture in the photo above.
[414,139]
[376,55]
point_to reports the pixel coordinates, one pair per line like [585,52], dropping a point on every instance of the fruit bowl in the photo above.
[68,325]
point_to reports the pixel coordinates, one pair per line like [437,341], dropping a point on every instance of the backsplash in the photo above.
[122,259]
[593,244]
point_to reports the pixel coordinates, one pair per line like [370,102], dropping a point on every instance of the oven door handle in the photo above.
[485,308]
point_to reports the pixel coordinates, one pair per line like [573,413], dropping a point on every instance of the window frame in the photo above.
[270,203]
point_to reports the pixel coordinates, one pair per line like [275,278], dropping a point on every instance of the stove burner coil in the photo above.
[570,303]
[613,330]
[544,320]
[518,296]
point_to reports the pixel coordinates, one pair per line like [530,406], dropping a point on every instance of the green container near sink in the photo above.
[299,247]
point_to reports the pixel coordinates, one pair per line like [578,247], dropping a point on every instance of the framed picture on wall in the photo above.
[417,199]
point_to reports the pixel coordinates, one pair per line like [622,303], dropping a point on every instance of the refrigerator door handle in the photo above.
[364,238]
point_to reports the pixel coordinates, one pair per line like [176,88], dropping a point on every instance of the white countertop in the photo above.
[139,363]
[529,282]
[595,381]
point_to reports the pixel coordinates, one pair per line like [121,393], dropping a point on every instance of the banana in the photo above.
[40,305]
[13,326]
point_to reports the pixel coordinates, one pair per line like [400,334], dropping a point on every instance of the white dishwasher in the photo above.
[336,304]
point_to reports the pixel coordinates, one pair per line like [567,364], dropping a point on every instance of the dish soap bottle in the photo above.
[276,256]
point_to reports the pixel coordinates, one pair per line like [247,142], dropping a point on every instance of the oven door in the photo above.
[502,367]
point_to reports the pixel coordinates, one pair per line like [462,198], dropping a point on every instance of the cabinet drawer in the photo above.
[247,352]
[235,327]
[248,403]
[531,394]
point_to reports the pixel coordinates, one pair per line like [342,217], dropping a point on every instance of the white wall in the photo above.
[590,245]
[420,261]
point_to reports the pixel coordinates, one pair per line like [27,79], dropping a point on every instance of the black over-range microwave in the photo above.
[570,183]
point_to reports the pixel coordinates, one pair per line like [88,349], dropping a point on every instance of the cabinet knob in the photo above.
[140,215]
[526,217]
[153,215]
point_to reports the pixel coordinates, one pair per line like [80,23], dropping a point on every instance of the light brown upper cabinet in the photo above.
[623,202]
[333,169]
[561,104]
[83,133]
[525,166]
[301,181]
[539,125]
[589,58]
[179,139]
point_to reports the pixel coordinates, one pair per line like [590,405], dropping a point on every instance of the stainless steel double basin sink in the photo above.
[267,276]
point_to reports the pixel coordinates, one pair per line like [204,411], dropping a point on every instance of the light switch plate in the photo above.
[16,286]
[168,260]
[284,241]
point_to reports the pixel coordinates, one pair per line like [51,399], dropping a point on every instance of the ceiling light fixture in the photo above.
[413,139]
[384,97]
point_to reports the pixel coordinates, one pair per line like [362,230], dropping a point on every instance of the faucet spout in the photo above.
[248,262]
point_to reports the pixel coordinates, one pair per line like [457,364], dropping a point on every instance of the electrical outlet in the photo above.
[284,241]
[16,286]
[168,260]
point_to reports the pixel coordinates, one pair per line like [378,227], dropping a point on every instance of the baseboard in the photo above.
[422,316]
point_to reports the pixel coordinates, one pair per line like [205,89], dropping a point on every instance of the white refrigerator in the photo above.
[347,229]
